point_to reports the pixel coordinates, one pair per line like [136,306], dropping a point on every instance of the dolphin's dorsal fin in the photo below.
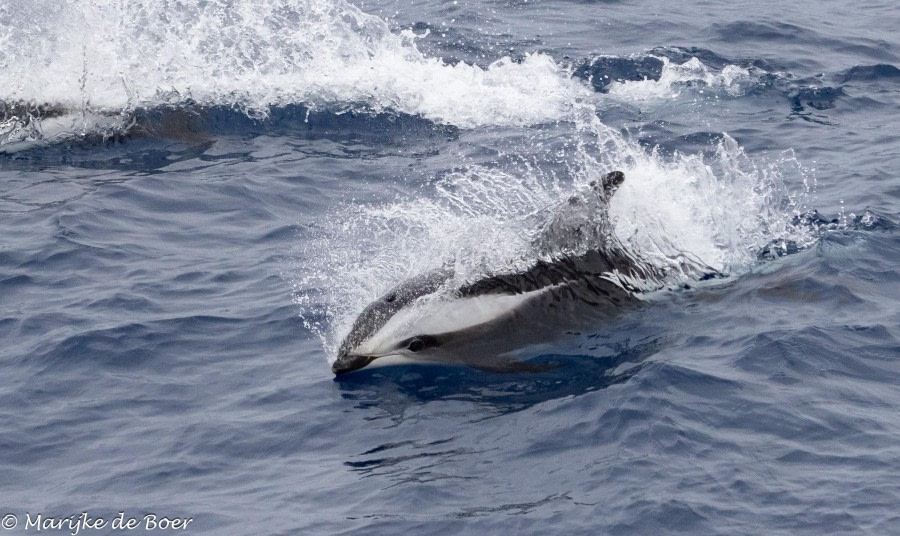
[610,183]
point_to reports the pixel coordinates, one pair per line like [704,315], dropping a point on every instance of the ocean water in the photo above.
[198,198]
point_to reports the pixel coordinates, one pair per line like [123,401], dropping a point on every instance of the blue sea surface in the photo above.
[183,242]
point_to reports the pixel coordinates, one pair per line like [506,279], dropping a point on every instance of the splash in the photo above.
[675,78]
[682,214]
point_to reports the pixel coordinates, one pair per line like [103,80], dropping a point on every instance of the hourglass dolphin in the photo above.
[429,318]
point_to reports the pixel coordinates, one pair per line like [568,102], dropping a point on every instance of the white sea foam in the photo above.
[676,78]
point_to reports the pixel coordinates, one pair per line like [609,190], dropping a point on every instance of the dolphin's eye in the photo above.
[416,345]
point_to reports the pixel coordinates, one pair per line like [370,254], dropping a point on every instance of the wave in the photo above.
[869,73]
[92,64]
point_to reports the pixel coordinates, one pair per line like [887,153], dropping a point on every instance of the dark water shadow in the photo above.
[152,138]
[132,155]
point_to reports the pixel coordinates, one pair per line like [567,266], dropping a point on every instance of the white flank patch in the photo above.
[447,316]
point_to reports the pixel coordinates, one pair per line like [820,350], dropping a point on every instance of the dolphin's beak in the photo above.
[350,362]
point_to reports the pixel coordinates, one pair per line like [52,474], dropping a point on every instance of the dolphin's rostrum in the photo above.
[580,261]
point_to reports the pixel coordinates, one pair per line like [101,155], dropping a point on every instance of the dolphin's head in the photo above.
[383,327]
[359,357]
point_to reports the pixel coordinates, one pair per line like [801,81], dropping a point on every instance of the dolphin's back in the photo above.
[589,277]
[578,253]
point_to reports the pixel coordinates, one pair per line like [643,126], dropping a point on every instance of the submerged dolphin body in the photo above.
[425,319]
